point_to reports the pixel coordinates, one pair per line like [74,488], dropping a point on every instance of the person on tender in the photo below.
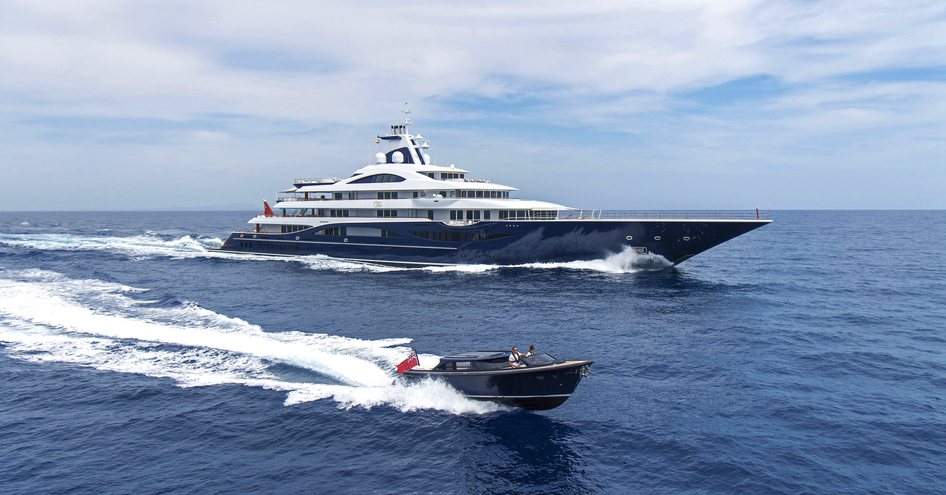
[531,351]
[515,359]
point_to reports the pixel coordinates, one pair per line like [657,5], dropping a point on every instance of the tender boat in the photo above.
[541,382]
[406,210]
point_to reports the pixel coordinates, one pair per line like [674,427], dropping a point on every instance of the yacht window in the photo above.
[338,195]
[372,179]
[416,194]
[479,194]
[464,365]
[469,214]
[461,176]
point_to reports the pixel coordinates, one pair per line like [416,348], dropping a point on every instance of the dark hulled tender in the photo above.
[541,382]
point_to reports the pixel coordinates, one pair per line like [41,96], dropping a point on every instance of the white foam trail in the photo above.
[626,261]
[140,245]
[45,317]
[150,245]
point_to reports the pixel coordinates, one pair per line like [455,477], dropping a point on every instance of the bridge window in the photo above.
[387,213]
[388,195]
[288,229]
[372,179]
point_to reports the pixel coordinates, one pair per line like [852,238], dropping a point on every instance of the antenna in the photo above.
[407,114]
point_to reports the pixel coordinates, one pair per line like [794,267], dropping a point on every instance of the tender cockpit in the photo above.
[491,361]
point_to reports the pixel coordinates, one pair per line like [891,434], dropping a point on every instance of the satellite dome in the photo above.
[379,158]
[397,157]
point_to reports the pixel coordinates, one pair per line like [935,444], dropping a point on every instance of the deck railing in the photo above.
[670,214]
[579,215]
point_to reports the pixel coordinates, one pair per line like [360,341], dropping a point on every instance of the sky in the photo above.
[670,104]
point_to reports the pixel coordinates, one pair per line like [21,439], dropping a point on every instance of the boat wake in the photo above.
[187,247]
[626,261]
[46,317]
[145,245]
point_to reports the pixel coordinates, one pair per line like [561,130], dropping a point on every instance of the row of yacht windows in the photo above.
[445,175]
[470,214]
[527,214]
[395,195]
[484,194]
[411,213]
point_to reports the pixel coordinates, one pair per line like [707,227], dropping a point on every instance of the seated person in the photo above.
[515,359]
[531,351]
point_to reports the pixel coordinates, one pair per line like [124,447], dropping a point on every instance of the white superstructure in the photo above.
[403,185]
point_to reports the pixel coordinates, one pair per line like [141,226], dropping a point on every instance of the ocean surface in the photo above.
[808,356]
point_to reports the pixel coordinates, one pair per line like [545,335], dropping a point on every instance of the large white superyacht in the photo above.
[405,210]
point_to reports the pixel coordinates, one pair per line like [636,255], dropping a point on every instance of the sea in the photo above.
[805,357]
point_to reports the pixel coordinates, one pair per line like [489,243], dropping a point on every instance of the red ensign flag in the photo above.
[267,211]
[408,363]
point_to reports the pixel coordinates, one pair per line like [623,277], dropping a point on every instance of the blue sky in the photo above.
[633,105]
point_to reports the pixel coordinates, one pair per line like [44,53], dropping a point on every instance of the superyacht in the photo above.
[405,210]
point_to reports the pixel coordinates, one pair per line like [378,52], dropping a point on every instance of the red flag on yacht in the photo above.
[408,363]
[267,210]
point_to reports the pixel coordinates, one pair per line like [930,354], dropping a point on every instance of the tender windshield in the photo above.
[540,360]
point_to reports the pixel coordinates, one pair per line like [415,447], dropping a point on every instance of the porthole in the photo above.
[656,237]
[345,240]
[630,237]
[254,236]
[241,235]
[297,238]
[687,238]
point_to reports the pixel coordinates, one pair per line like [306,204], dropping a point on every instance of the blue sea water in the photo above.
[804,357]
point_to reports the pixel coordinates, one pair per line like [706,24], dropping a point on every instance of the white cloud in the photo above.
[613,66]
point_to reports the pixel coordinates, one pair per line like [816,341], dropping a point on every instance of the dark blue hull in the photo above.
[539,388]
[501,242]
